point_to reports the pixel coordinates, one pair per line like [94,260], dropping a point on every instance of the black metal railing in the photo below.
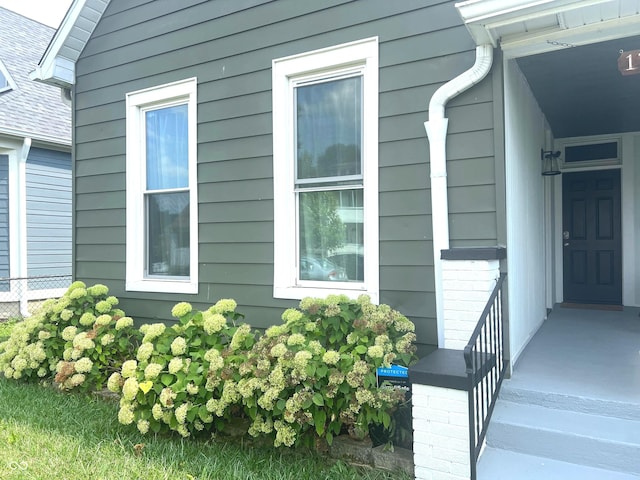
[485,362]
[21,296]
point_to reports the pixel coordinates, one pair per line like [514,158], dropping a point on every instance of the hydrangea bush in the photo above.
[185,377]
[314,376]
[78,339]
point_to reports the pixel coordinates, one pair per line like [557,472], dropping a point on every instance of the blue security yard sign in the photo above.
[395,375]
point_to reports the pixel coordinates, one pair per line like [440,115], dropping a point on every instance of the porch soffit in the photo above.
[526,27]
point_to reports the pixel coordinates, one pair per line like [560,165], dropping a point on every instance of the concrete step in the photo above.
[574,403]
[569,436]
[497,464]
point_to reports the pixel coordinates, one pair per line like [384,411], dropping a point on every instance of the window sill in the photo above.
[162,286]
[298,293]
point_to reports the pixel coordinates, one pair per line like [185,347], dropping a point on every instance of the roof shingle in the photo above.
[33,109]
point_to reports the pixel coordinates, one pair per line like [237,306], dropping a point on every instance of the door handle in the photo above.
[566,244]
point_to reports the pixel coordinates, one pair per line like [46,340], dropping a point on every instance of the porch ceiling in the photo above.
[568,50]
[581,91]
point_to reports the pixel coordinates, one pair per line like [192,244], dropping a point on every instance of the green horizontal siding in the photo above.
[229,45]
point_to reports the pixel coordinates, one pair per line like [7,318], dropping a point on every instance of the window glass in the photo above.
[168,234]
[329,128]
[331,242]
[167,147]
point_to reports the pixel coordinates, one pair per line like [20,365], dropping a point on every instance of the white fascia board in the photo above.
[500,12]
[557,39]
[482,17]
[44,139]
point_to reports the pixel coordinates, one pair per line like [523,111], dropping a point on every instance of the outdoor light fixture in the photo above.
[549,162]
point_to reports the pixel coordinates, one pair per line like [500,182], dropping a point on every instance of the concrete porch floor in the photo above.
[571,409]
[585,353]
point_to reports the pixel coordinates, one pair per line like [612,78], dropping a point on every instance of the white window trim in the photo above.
[364,55]
[181,91]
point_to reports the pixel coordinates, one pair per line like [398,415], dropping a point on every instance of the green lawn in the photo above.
[49,435]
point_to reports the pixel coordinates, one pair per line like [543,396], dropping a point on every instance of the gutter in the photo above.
[436,129]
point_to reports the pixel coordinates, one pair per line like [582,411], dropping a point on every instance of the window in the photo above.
[6,82]
[325,147]
[162,215]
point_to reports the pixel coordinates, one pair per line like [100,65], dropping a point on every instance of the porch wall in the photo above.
[526,134]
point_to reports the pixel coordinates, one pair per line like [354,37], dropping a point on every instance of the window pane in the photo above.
[168,234]
[331,236]
[167,148]
[329,128]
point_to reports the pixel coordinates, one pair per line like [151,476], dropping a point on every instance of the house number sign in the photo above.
[629,62]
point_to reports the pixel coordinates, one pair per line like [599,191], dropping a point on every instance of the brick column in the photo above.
[441,433]
[468,276]
[440,409]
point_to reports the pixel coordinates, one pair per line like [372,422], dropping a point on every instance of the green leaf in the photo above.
[329,438]
[281,405]
[155,426]
[318,399]
[191,414]
[386,419]
[361,349]
[322,370]
[166,379]
[203,413]
[319,419]
[311,369]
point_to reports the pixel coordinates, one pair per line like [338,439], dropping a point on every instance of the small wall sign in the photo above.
[629,62]
[395,375]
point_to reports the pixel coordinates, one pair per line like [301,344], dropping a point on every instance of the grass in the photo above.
[46,434]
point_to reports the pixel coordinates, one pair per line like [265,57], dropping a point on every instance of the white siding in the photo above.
[524,137]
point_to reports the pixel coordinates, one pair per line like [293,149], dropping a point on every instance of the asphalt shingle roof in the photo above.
[33,108]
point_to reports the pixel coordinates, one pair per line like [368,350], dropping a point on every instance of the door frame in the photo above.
[629,149]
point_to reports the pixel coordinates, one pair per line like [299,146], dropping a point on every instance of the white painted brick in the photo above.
[467,305]
[461,419]
[447,476]
[449,393]
[454,456]
[423,426]
[466,295]
[484,285]
[459,324]
[422,473]
[462,285]
[432,415]
[462,471]
[458,444]
[451,431]
[460,315]
[420,390]
[423,449]
[433,464]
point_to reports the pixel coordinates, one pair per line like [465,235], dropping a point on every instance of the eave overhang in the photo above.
[526,27]
[57,66]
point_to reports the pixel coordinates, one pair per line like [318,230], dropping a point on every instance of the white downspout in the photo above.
[437,133]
